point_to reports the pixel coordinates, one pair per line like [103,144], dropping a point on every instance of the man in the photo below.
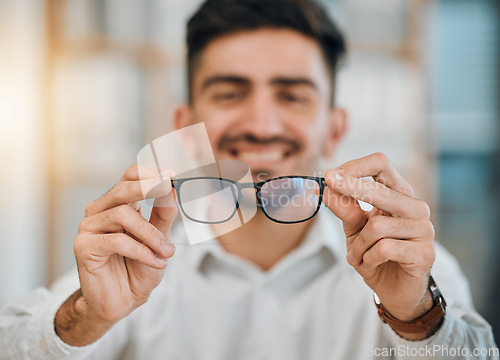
[261,78]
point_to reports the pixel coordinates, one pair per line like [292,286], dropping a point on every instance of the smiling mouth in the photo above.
[259,152]
[271,155]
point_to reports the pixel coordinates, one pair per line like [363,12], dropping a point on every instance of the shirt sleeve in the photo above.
[27,326]
[464,334]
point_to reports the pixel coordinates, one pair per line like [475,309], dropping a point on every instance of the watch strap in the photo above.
[428,322]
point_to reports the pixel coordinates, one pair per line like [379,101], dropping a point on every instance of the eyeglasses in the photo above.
[215,200]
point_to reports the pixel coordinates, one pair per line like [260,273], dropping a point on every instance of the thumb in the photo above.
[164,212]
[346,208]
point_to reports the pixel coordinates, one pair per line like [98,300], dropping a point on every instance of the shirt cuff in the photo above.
[43,341]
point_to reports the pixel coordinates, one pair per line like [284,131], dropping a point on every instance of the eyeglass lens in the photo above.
[290,199]
[208,200]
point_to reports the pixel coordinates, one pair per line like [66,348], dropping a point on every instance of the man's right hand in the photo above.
[121,256]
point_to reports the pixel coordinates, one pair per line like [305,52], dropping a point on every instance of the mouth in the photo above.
[261,155]
[266,159]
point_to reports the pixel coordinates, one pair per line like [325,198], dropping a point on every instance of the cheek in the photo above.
[214,130]
[314,136]
[216,123]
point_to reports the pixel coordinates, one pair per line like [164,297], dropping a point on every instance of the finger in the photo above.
[164,213]
[124,245]
[414,257]
[124,217]
[346,209]
[136,206]
[378,195]
[379,167]
[127,192]
[379,227]
[137,172]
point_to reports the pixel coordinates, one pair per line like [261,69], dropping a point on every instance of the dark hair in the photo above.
[222,17]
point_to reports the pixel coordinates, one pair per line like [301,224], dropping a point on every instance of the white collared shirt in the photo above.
[213,305]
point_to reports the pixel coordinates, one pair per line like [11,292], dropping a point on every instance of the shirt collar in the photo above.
[326,232]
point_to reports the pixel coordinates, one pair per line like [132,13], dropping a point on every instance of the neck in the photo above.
[263,241]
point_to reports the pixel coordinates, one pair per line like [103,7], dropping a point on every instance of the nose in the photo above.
[261,117]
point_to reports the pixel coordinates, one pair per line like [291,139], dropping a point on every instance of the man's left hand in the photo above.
[392,245]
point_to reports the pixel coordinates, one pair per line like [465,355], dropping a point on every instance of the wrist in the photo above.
[421,308]
[428,319]
[76,325]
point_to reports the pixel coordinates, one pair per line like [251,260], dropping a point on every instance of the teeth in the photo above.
[261,156]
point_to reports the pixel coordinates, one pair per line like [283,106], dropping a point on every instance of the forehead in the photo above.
[261,55]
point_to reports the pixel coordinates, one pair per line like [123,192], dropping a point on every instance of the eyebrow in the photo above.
[228,79]
[240,80]
[293,81]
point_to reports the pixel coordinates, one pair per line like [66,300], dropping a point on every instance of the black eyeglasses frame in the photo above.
[177,183]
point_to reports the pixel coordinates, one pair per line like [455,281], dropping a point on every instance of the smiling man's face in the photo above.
[265,99]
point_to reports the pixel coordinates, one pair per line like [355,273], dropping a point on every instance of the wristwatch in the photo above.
[427,323]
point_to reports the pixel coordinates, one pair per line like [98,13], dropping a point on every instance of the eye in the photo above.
[292,98]
[228,96]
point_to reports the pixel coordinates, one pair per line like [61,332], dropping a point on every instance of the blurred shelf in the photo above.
[148,54]
[404,51]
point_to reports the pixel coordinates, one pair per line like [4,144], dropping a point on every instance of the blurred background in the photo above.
[84,84]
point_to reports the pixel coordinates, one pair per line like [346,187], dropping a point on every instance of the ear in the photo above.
[182,117]
[336,132]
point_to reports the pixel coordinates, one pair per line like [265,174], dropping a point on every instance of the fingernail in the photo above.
[168,174]
[159,188]
[339,175]
[350,257]
[161,260]
[167,246]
